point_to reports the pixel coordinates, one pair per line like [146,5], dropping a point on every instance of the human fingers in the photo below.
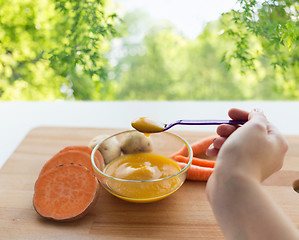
[254,128]
[218,142]
[211,151]
[215,146]
[280,146]
[271,139]
[279,138]
[257,118]
[270,128]
[225,130]
[238,114]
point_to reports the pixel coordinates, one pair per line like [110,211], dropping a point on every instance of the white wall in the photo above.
[18,118]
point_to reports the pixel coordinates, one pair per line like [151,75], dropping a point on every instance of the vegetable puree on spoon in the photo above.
[148,125]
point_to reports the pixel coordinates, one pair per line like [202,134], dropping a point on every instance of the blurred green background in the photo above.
[85,50]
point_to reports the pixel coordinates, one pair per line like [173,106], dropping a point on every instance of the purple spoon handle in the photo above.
[203,122]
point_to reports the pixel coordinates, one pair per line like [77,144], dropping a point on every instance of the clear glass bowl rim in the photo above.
[137,181]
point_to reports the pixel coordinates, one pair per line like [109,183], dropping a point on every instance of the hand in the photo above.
[257,148]
[246,155]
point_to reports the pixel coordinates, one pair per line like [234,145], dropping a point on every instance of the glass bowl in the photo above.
[163,144]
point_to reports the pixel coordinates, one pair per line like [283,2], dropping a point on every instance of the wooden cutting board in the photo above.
[184,215]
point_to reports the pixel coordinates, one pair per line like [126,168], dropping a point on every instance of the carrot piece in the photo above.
[65,193]
[195,161]
[98,156]
[198,147]
[197,173]
[70,156]
[183,152]
[201,146]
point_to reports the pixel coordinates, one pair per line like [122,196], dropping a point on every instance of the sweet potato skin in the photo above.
[65,157]
[82,148]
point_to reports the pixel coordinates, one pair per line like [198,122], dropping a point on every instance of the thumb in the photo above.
[258,115]
[258,118]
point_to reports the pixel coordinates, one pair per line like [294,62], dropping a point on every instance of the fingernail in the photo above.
[211,146]
[257,110]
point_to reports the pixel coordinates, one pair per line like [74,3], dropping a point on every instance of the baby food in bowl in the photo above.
[142,170]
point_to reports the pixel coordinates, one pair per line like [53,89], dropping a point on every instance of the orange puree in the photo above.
[142,167]
[147,125]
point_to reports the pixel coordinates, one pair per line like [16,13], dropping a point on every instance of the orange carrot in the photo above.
[65,193]
[201,146]
[195,161]
[70,156]
[98,156]
[197,173]
[198,147]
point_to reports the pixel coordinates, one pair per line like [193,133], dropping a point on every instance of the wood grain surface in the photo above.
[184,215]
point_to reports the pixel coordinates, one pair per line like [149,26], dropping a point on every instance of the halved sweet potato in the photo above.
[69,156]
[65,193]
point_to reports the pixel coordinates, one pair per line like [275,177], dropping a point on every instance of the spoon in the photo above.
[148,125]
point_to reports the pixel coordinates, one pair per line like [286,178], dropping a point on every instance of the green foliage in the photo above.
[274,23]
[152,75]
[265,37]
[172,67]
[60,49]
[51,49]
